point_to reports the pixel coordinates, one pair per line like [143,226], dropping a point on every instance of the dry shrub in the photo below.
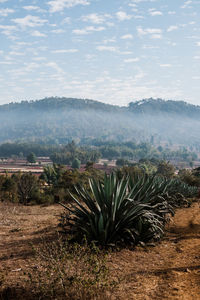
[64,270]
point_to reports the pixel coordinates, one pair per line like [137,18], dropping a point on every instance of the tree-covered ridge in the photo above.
[56,103]
[60,120]
[161,106]
[148,105]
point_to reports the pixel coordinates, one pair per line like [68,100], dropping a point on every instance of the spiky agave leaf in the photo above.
[111,212]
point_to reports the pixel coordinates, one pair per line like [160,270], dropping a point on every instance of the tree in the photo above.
[165,169]
[52,174]
[121,162]
[76,164]
[31,158]
[191,164]
[28,186]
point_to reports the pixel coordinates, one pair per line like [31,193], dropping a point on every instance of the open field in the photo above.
[168,270]
[10,166]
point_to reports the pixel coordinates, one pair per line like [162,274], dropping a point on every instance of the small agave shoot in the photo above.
[113,213]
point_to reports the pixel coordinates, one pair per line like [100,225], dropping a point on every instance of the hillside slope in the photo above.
[58,120]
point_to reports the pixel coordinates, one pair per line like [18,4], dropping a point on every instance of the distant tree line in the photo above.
[56,181]
[127,151]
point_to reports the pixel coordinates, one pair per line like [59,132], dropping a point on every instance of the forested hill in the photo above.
[59,120]
[152,106]
[147,106]
[55,103]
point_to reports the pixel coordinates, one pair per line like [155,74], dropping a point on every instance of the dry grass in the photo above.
[35,264]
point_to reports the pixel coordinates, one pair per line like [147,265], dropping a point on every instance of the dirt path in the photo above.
[171,269]
[168,270]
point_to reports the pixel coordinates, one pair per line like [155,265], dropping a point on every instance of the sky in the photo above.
[114,51]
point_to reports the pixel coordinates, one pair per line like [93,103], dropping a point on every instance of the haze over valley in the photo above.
[60,120]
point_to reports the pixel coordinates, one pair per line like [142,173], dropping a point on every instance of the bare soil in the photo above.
[169,269]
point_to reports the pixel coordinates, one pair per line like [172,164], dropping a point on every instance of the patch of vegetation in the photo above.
[124,211]
[69,271]
[113,212]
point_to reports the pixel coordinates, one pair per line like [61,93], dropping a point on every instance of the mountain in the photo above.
[59,120]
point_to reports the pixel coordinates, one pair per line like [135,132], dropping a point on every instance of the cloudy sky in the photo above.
[114,51]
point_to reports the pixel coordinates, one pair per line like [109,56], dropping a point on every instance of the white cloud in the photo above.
[150,47]
[8,29]
[131,60]
[65,51]
[196,77]
[140,1]
[16,53]
[95,18]
[106,48]
[126,52]
[156,36]
[186,4]
[38,34]
[39,58]
[58,30]
[127,37]
[88,30]
[3,1]
[54,66]
[139,17]
[122,16]
[66,20]
[154,33]
[198,44]
[171,12]
[60,5]
[141,31]
[132,5]
[6,63]
[32,7]
[165,65]
[154,12]
[29,21]
[172,28]
[4,12]
[153,30]
[111,40]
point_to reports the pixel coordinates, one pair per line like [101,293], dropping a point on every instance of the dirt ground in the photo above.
[169,269]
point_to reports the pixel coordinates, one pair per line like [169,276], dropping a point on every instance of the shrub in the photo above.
[189,177]
[165,169]
[69,271]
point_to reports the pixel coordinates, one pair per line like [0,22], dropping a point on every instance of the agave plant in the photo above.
[174,192]
[113,213]
[151,190]
[180,193]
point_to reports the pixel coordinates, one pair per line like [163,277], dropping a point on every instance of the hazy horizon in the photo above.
[96,100]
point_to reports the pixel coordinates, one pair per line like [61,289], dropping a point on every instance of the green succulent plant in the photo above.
[112,212]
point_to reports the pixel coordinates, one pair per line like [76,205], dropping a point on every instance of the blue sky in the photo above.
[115,51]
